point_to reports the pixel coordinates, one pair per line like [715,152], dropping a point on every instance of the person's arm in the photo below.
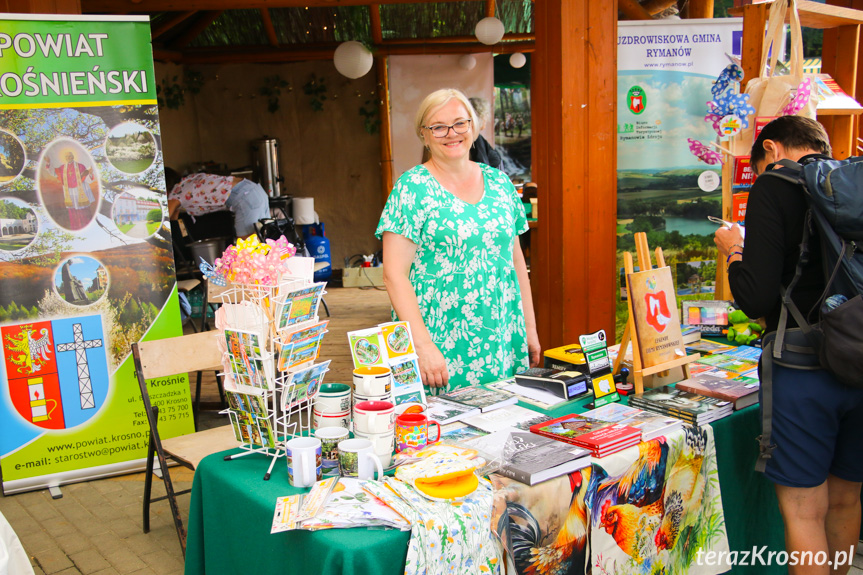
[398,256]
[755,276]
[533,348]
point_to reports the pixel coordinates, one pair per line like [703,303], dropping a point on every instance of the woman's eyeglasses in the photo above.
[441,130]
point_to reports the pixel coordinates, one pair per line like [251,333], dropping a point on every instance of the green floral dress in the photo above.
[463,272]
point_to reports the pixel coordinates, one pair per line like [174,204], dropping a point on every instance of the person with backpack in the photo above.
[811,421]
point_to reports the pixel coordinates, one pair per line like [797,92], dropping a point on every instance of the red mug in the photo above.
[412,431]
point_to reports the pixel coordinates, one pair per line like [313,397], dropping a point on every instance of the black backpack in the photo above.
[833,340]
[834,328]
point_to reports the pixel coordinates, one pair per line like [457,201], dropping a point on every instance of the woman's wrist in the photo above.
[731,255]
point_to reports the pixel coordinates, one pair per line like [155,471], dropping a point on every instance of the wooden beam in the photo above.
[385,127]
[170,23]
[574,144]
[324,51]
[377,30]
[657,6]
[632,10]
[41,6]
[459,39]
[195,29]
[268,27]
[816,15]
[489,8]
[149,6]
[699,9]
[163,55]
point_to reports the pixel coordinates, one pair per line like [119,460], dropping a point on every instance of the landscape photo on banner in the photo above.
[665,73]
[86,256]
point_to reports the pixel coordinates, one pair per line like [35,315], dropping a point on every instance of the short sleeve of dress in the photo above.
[403,214]
[520,220]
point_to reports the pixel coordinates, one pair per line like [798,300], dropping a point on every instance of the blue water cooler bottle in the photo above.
[319,248]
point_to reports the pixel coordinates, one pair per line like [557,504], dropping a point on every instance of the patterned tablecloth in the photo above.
[647,509]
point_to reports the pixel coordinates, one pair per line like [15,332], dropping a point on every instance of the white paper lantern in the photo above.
[467,62]
[489,30]
[352,59]
[517,60]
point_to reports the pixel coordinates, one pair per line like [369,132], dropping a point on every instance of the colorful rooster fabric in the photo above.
[645,510]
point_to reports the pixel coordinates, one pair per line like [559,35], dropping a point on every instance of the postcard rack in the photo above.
[267,406]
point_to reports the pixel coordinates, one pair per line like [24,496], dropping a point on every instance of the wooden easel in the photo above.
[638,372]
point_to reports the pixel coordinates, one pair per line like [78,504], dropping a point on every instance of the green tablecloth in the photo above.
[231,514]
[232,511]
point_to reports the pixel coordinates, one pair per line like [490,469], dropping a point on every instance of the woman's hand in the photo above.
[432,365]
[727,239]
[534,350]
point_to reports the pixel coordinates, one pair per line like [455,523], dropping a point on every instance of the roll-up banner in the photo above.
[665,72]
[86,260]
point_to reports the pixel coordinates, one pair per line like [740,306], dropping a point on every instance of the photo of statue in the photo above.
[81,280]
[69,184]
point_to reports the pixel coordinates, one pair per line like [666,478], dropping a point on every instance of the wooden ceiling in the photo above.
[225,31]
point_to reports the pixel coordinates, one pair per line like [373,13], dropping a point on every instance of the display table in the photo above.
[230,517]
[232,509]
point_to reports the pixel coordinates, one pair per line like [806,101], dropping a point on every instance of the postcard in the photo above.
[300,305]
[409,395]
[316,330]
[367,347]
[398,339]
[406,372]
[287,510]
[303,384]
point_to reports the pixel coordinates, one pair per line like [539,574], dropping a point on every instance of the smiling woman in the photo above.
[452,264]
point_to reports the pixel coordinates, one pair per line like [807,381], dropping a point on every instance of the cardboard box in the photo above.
[363,277]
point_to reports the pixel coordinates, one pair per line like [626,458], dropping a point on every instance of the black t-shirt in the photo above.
[775,214]
[481,151]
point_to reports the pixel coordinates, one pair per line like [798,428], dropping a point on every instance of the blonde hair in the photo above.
[436,100]
[480,106]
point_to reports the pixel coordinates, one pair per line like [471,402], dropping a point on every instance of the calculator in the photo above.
[562,383]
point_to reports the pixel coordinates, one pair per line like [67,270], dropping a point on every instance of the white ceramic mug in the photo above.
[374,416]
[357,459]
[304,461]
[334,398]
[373,380]
[358,398]
[330,438]
[321,420]
[383,444]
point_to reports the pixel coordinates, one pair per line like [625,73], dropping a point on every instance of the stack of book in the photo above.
[532,459]
[651,424]
[601,438]
[466,402]
[480,397]
[690,407]
[740,393]
[746,352]
[444,412]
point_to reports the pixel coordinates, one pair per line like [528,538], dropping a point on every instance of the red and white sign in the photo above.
[744,177]
[738,207]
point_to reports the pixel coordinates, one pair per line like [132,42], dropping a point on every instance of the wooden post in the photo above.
[839,59]
[574,100]
[723,290]
[385,136]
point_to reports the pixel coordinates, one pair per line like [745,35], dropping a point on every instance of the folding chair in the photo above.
[162,358]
